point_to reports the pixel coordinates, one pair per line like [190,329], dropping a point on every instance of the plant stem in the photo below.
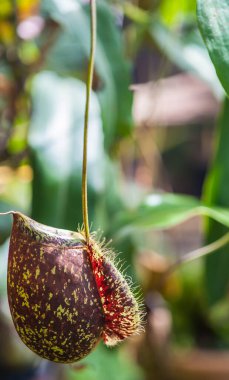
[86,117]
[197,253]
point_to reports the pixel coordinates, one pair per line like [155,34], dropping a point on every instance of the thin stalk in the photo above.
[86,117]
[197,253]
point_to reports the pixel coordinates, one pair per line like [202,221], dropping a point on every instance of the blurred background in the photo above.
[158,146]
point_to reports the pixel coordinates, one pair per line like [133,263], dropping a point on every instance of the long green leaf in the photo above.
[213,18]
[161,211]
[216,192]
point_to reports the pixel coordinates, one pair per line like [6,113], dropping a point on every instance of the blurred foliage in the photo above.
[44,49]
[187,51]
[112,70]
[104,363]
[55,139]
[161,211]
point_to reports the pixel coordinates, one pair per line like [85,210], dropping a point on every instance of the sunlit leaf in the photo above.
[161,211]
[174,11]
[213,17]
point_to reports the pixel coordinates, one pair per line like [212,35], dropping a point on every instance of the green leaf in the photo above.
[161,211]
[213,18]
[55,139]
[173,11]
[216,193]
[70,55]
[104,363]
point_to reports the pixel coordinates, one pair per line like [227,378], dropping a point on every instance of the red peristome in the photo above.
[121,310]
